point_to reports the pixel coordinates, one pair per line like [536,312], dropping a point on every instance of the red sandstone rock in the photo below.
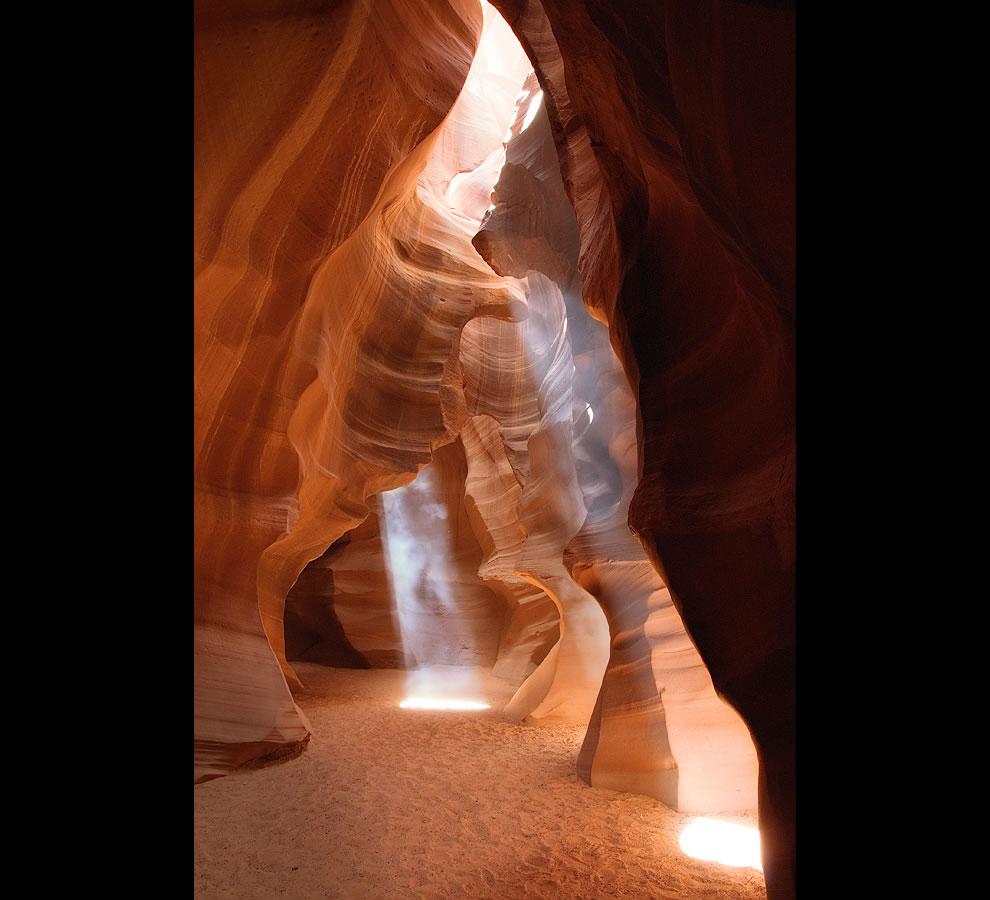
[296,130]
[346,331]
[656,693]
[688,109]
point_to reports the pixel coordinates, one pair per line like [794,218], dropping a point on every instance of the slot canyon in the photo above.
[494,464]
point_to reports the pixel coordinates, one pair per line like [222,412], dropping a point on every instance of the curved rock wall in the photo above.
[675,124]
[347,330]
[301,112]
[657,726]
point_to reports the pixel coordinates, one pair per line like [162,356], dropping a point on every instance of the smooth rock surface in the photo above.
[368,308]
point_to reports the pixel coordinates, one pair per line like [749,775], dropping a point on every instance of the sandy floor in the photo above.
[423,805]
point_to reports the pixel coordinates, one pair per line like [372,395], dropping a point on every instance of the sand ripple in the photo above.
[427,805]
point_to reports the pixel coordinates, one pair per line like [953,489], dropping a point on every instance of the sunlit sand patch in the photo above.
[441,703]
[444,687]
[722,842]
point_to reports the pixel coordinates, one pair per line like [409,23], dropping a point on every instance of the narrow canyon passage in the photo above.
[392,803]
[494,375]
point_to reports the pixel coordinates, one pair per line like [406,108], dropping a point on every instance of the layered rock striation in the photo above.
[675,127]
[518,312]
[655,694]
[313,125]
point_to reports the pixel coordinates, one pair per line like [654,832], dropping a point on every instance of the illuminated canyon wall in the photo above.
[399,237]
[675,124]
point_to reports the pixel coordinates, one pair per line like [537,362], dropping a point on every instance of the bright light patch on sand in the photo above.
[722,842]
[440,703]
[443,687]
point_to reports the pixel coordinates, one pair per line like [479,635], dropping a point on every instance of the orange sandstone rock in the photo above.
[369,308]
